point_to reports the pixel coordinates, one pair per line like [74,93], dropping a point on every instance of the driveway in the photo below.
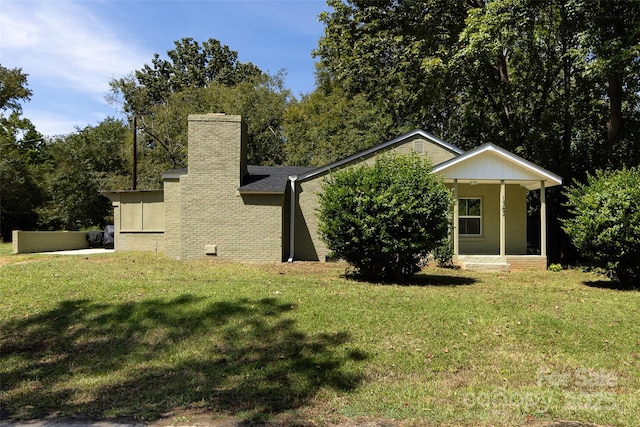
[80,252]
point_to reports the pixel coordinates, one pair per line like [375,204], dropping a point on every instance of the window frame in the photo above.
[464,215]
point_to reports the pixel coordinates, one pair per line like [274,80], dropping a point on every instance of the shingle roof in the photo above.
[260,179]
[269,179]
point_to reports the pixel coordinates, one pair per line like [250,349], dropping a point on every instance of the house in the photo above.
[220,206]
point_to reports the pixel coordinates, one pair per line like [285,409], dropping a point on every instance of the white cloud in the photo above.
[65,44]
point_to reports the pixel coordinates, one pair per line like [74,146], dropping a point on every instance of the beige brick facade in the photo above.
[527,262]
[308,244]
[125,203]
[173,217]
[213,219]
[210,210]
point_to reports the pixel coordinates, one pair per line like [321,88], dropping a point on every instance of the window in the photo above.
[141,211]
[470,217]
[418,146]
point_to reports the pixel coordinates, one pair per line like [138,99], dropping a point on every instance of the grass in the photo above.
[5,248]
[137,337]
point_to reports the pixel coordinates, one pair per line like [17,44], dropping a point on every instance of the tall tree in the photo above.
[20,174]
[519,73]
[77,167]
[13,89]
[196,79]
[329,124]
[609,32]
[19,143]
[394,52]
[189,65]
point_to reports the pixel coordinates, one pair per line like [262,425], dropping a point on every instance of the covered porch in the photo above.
[489,221]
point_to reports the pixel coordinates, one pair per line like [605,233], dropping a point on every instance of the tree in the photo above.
[517,73]
[329,124]
[393,53]
[78,166]
[20,174]
[190,65]
[609,32]
[13,89]
[605,226]
[199,79]
[19,144]
[385,218]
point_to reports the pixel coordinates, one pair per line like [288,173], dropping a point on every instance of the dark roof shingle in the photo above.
[269,179]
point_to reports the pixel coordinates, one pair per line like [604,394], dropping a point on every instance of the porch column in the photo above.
[456,221]
[543,220]
[503,228]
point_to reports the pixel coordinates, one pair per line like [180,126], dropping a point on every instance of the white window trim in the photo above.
[462,216]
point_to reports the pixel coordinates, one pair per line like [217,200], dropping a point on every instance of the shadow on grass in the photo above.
[611,284]
[141,360]
[426,279]
[421,279]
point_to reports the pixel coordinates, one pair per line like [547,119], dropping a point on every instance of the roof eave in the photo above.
[372,150]
[261,193]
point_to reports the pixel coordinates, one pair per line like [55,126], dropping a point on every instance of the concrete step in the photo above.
[484,263]
[486,267]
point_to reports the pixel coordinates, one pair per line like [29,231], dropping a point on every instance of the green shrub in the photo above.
[443,254]
[555,268]
[385,218]
[605,222]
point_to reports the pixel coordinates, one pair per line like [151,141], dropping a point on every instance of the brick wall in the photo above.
[139,241]
[308,245]
[172,217]
[527,262]
[213,216]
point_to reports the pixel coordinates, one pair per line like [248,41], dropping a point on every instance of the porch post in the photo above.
[543,220]
[456,221]
[503,228]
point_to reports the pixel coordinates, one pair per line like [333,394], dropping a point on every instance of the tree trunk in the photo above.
[615,122]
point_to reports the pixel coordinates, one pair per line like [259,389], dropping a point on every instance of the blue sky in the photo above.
[72,49]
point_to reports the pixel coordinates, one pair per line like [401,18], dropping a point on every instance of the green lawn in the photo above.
[135,336]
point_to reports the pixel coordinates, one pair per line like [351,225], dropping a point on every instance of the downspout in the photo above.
[292,207]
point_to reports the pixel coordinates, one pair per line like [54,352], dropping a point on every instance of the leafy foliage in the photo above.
[261,102]
[329,124]
[385,218]
[443,254]
[189,65]
[78,166]
[605,226]
[522,74]
[13,89]
[393,53]
[20,174]
[19,143]
[200,79]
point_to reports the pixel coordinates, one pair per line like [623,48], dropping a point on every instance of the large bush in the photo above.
[385,218]
[605,222]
